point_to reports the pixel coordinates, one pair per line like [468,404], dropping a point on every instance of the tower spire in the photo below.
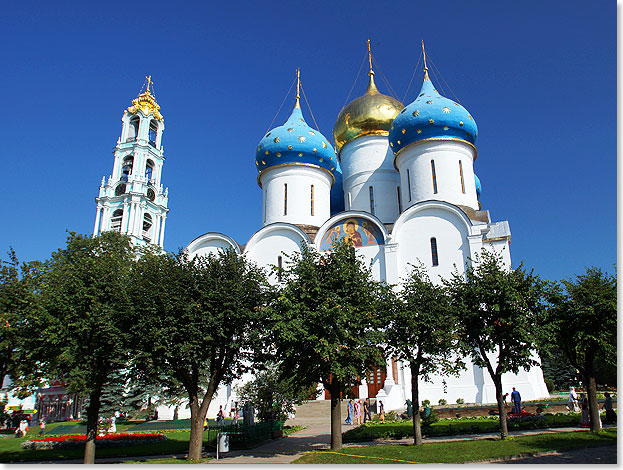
[425,66]
[371,85]
[148,83]
[298,88]
[371,72]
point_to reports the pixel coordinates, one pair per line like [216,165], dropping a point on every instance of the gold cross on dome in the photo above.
[148,82]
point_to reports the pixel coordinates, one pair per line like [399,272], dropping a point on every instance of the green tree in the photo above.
[582,322]
[498,309]
[326,324]
[272,397]
[80,330]
[17,295]
[199,323]
[422,330]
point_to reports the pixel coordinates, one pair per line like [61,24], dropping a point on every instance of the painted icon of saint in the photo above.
[351,233]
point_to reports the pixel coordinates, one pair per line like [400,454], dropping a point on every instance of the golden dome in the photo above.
[369,114]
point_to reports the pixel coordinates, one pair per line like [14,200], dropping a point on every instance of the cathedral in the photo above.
[399,184]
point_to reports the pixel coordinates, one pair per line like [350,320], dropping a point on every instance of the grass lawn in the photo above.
[461,451]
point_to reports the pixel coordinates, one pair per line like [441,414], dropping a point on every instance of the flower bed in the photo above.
[78,440]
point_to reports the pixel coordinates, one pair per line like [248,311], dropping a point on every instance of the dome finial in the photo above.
[425,66]
[148,83]
[298,87]
[371,85]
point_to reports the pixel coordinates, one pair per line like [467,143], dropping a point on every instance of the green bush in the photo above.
[425,403]
[443,401]
[460,401]
[549,383]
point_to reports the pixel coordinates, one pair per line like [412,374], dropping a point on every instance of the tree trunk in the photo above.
[196,430]
[92,418]
[497,380]
[593,404]
[415,403]
[336,416]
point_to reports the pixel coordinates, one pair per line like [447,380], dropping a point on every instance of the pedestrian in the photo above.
[349,410]
[369,408]
[357,412]
[572,402]
[236,416]
[366,411]
[409,408]
[220,417]
[205,423]
[113,424]
[360,415]
[611,416]
[381,412]
[42,427]
[585,420]
[516,399]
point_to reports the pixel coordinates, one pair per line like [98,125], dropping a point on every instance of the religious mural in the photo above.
[359,231]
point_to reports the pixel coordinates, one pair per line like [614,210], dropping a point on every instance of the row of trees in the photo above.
[100,309]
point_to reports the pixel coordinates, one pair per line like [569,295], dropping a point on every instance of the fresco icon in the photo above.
[360,232]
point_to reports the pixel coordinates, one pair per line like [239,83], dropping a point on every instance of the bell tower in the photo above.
[132,201]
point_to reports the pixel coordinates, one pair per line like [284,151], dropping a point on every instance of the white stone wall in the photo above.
[299,180]
[368,162]
[417,158]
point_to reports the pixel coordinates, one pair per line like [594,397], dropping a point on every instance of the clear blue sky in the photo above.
[539,77]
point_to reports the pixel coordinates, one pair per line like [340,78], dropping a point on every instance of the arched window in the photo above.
[371,200]
[115,220]
[285,199]
[149,170]
[153,133]
[126,170]
[147,223]
[120,189]
[434,175]
[433,251]
[133,129]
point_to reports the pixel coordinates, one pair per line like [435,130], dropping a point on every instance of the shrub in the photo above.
[549,383]
[429,419]
[425,403]
[443,401]
[460,401]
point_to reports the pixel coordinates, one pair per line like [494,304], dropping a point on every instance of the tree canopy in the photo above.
[198,323]
[326,323]
[498,310]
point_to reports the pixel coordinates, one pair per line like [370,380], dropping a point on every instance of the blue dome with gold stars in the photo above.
[295,143]
[431,116]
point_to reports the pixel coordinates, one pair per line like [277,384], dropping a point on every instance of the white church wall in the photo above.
[287,193]
[413,234]
[210,243]
[417,158]
[368,162]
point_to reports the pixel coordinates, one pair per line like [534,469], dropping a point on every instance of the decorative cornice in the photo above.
[147,104]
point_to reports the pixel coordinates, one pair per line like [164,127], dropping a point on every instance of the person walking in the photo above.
[349,409]
[357,414]
[611,416]
[585,420]
[516,399]
[366,411]
[42,427]
[220,417]
[572,402]
[381,412]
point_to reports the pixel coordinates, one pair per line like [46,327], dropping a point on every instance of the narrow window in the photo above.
[409,183]
[126,170]
[133,131]
[147,223]
[399,200]
[280,267]
[149,170]
[432,168]
[285,199]
[461,173]
[312,199]
[371,200]
[433,250]
[349,202]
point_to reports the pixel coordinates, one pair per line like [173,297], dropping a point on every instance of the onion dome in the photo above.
[295,143]
[478,186]
[431,116]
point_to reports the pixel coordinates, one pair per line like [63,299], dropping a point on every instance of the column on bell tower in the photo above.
[132,200]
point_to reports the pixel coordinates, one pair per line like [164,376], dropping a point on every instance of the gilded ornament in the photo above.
[429,102]
[290,129]
[301,139]
[398,142]
[445,128]
[470,118]
[445,109]
[324,145]
[276,139]
[266,152]
[312,132]
[431,121]
[460,123]
[259,147]
[404,131]
[278,154]
[147,104]
[263,162]
[419,131]
[315,150]
[289,147]
[416,113]
[300,154]
[320,159]
[391,144]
